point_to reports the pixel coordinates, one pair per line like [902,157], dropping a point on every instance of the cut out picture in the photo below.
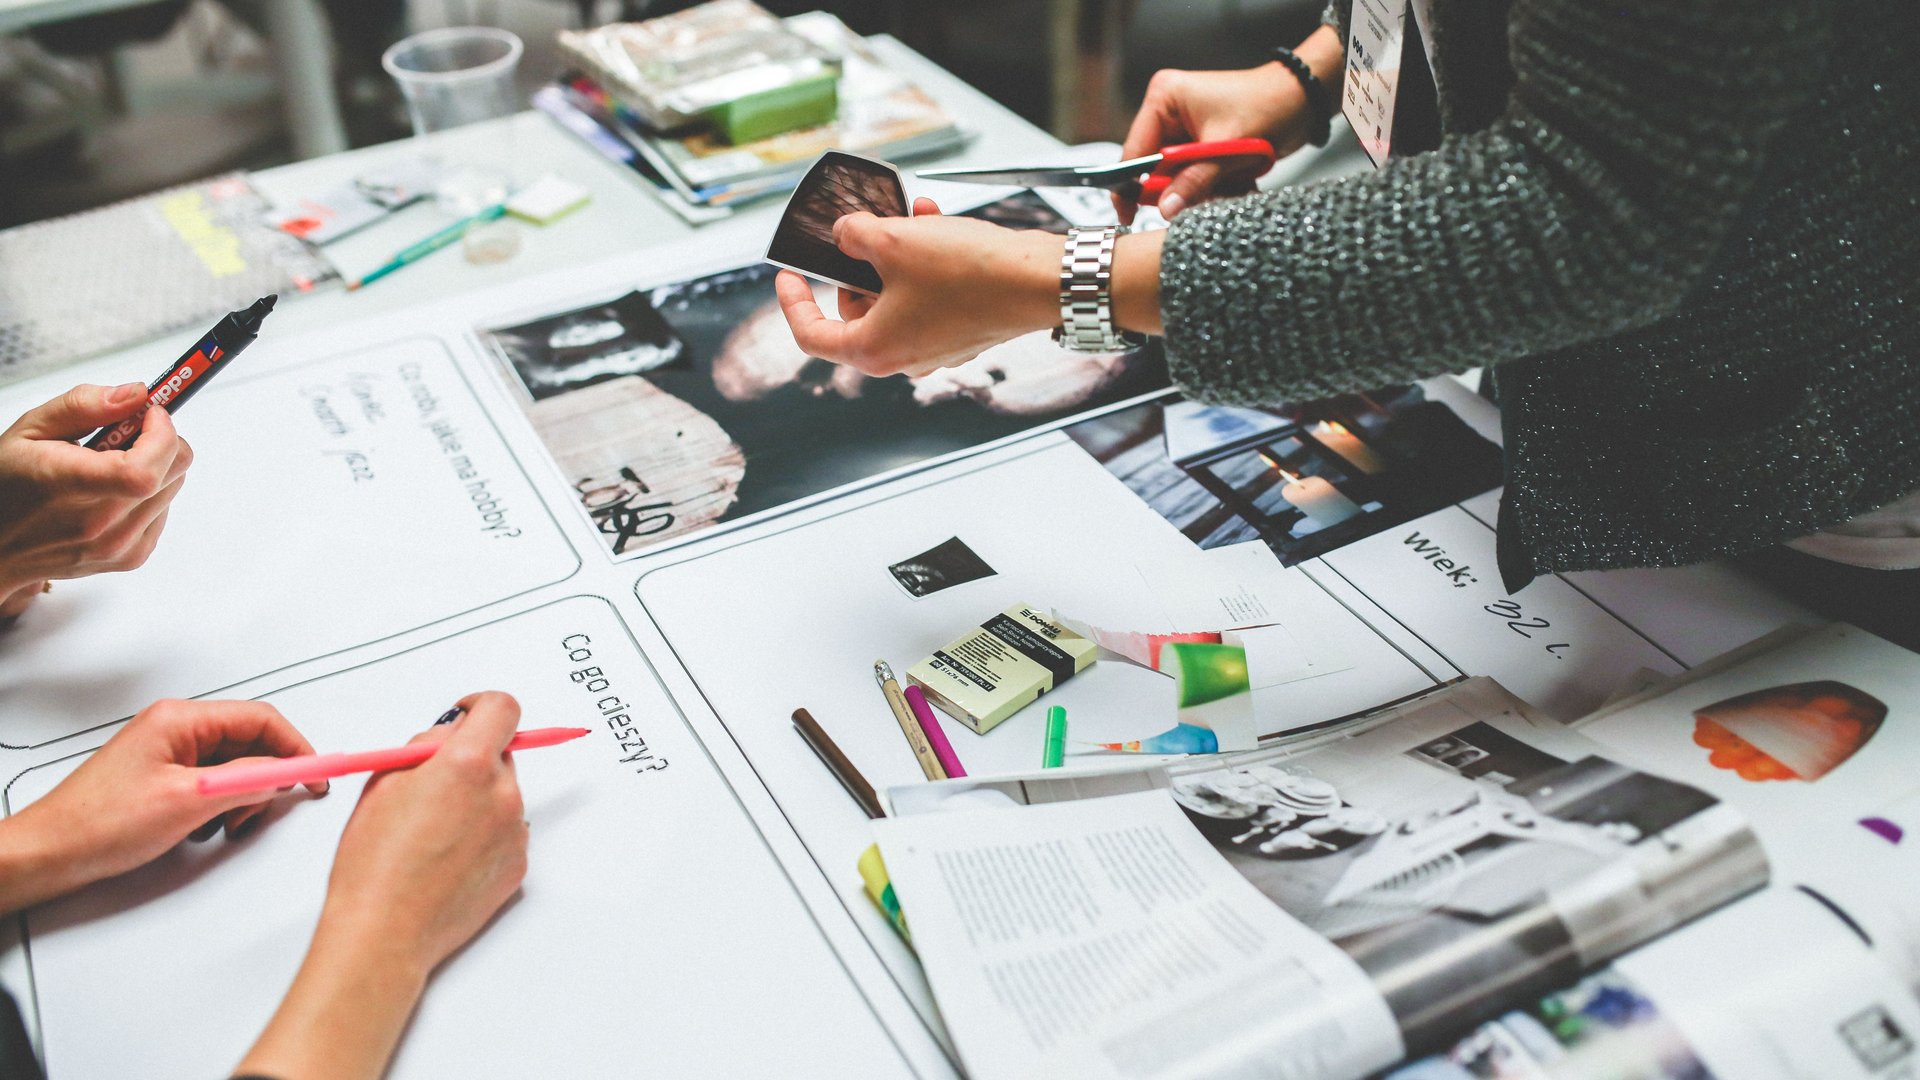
[1306,478]
[1802,731]
[679,407]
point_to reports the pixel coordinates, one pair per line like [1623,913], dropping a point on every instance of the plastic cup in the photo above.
[455,76]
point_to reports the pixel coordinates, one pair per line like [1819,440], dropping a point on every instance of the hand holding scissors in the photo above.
[1140,179]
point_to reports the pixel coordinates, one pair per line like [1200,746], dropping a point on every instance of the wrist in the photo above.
[1036,304]
[347,1007]
[1136,282]
[354,936]
[35,865]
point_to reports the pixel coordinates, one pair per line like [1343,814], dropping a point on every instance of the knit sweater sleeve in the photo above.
[1634,133]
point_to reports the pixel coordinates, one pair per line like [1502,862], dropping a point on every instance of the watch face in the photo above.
[838,184]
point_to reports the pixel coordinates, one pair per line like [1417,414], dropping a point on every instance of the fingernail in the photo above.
[247,827]
[1171,205]
[125,394]
[449,716]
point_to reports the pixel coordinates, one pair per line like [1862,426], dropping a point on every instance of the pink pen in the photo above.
[290,772]
[942,749]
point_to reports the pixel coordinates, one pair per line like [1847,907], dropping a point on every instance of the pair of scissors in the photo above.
[1142,179]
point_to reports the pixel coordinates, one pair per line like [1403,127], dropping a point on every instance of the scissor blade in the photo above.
[1063,177]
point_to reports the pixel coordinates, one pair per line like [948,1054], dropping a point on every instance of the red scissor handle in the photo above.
[1258,155]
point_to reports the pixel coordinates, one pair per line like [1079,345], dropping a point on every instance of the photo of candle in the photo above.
[1334,435]
[1315,497]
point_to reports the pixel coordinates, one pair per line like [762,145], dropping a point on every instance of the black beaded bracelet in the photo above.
[1319,103]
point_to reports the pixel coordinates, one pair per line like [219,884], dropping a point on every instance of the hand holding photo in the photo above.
[838,184]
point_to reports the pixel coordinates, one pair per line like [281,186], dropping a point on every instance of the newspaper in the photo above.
[1416,874]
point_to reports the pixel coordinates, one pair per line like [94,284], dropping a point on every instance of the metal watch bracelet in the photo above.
[1086,293]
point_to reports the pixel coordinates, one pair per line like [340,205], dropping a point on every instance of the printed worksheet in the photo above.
[655,930]
[331,504]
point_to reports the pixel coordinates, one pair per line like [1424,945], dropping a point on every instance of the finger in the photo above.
[142,549]
[20,599]
[855,304]
[229,730]
[205,832]
[1125,206]
[1156,124]
[238,823]
[129,544]
[853,234]
[816,334]
[1190,185]
[136,473]
[491,720]
[158,447]
[80,410]
[227,806]
[925,207]
[139,518]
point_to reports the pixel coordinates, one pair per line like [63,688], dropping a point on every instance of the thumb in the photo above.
[1190,185]
[492,718]
[81,410]
[853,234]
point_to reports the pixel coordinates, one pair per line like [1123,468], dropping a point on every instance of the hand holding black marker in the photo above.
[186,375]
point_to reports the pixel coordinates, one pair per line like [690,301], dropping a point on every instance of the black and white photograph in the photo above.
[578,348]
[838,184]
[675,408]
[1454,847]
[940,567]
[1304,478]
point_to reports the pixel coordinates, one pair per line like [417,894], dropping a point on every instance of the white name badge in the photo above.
[1373,72]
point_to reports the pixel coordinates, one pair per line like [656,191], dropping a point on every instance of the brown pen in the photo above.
[837,763]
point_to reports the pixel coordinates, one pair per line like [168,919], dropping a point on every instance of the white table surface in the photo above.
[623,216]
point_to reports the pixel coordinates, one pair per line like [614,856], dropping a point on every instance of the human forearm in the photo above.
[33,866]
[1591,208]
[1326,57]
[345,1011]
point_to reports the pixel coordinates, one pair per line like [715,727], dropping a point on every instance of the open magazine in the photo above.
[1454,888]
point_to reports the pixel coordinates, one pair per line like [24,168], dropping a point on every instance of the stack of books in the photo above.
[702,176]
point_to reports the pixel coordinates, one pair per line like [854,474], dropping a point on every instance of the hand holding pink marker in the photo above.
[309,768]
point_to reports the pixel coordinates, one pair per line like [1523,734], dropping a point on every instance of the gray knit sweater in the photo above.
[1687,232]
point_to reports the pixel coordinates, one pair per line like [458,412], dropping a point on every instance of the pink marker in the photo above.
[936,738]
[308,768]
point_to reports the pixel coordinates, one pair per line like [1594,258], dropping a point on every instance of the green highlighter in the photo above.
[1056,749]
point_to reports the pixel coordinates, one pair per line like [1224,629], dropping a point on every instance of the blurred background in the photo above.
[105,99]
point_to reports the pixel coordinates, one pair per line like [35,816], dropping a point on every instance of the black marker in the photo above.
[171,390]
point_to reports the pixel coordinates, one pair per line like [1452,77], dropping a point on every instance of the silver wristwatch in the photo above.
[1086,294]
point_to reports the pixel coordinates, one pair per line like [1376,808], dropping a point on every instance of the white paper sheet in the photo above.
[655,932]
[332,504]
[1815,830]
[1106,938]
[1776,987]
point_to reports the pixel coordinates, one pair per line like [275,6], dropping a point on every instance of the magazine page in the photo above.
[1102,937]
[1467,860]
[1774,987]
[1815,742]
